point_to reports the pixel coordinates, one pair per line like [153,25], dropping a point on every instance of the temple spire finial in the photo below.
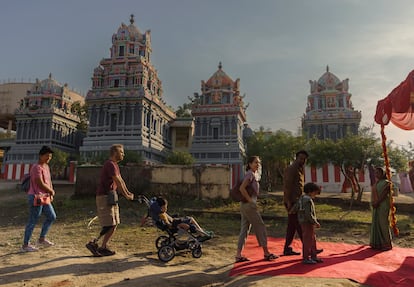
[220,66]
[131,20]
[327,68]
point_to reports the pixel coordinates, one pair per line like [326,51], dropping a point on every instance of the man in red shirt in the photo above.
[108,212]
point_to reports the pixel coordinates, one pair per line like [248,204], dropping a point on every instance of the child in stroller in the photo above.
[183,233]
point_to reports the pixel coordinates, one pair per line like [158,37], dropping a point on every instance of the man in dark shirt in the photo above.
[294,180]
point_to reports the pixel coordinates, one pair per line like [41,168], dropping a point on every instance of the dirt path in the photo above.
[68,263]
[65,266]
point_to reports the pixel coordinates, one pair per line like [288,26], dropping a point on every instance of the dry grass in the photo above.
[338,222]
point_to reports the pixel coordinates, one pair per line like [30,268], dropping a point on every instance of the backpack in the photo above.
[154,209]
[235,192]
[25,184]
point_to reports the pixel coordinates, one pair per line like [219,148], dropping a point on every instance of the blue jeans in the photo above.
[34,214]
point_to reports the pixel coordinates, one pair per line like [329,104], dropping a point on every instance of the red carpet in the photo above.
[355,262]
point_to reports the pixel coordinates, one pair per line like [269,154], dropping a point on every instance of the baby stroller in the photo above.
[176,239]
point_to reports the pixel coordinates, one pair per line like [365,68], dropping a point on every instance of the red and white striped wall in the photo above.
[16,171]
[328,177]
[331,179]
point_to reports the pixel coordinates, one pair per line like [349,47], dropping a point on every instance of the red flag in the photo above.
[397,107]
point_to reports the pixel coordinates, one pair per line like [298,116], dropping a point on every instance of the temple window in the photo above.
[204,129]
[215,133]
[154,124]
[121,51]
[148,122]
[116,83]
[113,122]
[341,103]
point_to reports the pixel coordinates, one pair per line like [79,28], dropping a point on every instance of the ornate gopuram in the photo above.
[219,118]
[44,117]
[125,103]
[329,112]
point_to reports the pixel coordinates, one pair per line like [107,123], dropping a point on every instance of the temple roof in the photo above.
[220,78]
[328,80]
[48,85]
[129,31]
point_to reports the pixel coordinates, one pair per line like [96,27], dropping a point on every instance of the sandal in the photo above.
[242,259]
[270,257]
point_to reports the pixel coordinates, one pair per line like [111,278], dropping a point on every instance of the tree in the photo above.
[276,151]
[398,158]
[82,112]
[184,111]
[131,157]
[58,163]
[351,153]
[180,157]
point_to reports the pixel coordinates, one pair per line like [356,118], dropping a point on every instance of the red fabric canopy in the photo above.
[397,107]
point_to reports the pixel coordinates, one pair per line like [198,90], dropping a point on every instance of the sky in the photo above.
[273,46]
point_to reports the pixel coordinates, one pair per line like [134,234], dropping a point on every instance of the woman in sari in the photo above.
[380,237]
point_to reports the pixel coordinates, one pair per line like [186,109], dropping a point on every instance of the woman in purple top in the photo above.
[250,215]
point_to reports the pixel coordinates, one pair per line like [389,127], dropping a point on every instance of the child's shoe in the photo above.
[308,261]
[317,260]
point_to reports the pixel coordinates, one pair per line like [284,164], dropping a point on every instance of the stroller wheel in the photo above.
[166,253]
[197,252]
[162,241]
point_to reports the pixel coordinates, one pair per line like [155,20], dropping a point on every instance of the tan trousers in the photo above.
[250,217]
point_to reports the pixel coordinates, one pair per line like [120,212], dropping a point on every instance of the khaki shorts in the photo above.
[108,214]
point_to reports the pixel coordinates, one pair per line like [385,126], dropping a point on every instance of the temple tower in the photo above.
[329,112]
[219,118]
[44,117]
[125,104]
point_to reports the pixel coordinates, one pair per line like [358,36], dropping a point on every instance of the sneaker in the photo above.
[93,248]
[204,237]
[29,248]
[45,243]
[105,251]
[308,261]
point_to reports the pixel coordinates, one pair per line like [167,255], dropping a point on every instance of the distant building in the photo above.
[44,117]
[125,104]
[219,118]
[329,112]
[182,131]
[10,95]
